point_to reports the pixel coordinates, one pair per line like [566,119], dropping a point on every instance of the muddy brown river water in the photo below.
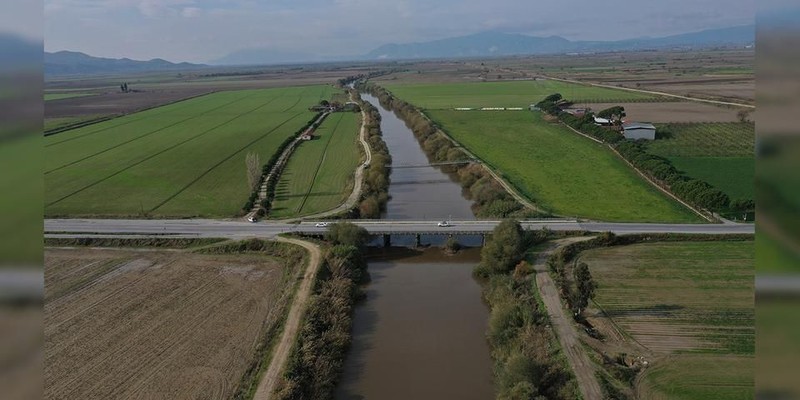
[420,332]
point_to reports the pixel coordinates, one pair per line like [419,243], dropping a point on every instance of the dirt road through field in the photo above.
[293,321]
[562,325]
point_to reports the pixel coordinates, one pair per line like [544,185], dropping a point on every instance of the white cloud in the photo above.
[191,12]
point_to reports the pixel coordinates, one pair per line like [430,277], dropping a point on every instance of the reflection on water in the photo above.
[419,192]
[420,333]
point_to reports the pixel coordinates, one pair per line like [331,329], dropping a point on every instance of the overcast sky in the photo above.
[203,30]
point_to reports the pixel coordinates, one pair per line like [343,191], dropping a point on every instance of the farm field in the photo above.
[156,324]
[180,160]
[432,96]
[54,123]
[559,170]
[722,154]
[691,305]
[672,111]
[62,96]
[319,175]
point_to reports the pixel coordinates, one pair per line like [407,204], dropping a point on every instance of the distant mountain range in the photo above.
[74,63]
[484,44]
[493,44]
[18,52]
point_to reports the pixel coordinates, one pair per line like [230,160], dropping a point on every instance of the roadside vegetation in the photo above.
[318,354]
[528,363]
[178,243]
[180,160]
[489,198]
[672,315]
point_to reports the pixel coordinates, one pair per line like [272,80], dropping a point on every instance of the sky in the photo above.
[205,30]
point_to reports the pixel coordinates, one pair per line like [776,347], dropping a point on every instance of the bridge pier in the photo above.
[483,240]
[387,240]
[417,240]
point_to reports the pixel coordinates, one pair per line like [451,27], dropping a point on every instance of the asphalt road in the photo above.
[238,229]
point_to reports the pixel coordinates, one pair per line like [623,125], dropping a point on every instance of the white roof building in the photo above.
[639,130]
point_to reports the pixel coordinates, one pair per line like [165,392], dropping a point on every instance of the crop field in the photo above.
[670,112]
[707,140]
[179,160]
[319,175]
[732,175]
[504,94]
[722,154]
[559,170]
[692,305]
[62,96]
[156,324]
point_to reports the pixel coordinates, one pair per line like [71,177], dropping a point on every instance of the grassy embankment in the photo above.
[559,170]
[319,175]
[180,160]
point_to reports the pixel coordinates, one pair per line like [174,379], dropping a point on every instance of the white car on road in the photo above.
[443,224]
[252,219]
[321,225]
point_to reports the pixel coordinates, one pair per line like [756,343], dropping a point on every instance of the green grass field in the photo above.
[722,154]
[559,170]
[183,159]
[724,139]
[62,96]
[53,123]
[692,304]
[732,175]
[504,94]
[319,175]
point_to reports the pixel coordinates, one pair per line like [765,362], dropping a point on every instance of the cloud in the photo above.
[191,12]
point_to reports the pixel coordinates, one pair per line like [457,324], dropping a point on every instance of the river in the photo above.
[420,332]
[418,193]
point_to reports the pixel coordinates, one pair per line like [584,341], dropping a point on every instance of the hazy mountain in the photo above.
[74,63]
[265,57]
[489,44]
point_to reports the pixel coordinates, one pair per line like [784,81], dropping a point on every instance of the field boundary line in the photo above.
[258,139]
[150,157]
[677,96]
[291,328]
[319,164]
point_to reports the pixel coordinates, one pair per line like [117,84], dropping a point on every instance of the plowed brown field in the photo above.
[124,324]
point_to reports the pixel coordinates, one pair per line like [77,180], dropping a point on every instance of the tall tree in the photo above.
[253,169]
[585,287]
[506,247]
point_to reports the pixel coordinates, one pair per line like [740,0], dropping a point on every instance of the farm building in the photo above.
[603,121]
[639,130]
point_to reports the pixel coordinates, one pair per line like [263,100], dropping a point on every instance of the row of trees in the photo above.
[375,189]
[489,198]
[526,361]
[696,192]
[318,355]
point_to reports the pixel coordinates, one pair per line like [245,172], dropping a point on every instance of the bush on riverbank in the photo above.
[319,351]
[375,189]
[527,361]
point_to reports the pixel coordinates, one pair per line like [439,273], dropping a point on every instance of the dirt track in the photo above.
[564,328]
[154,324]
[280,354]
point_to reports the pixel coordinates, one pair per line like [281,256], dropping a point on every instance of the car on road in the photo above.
[321,225]
[252,219]
[443,224]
